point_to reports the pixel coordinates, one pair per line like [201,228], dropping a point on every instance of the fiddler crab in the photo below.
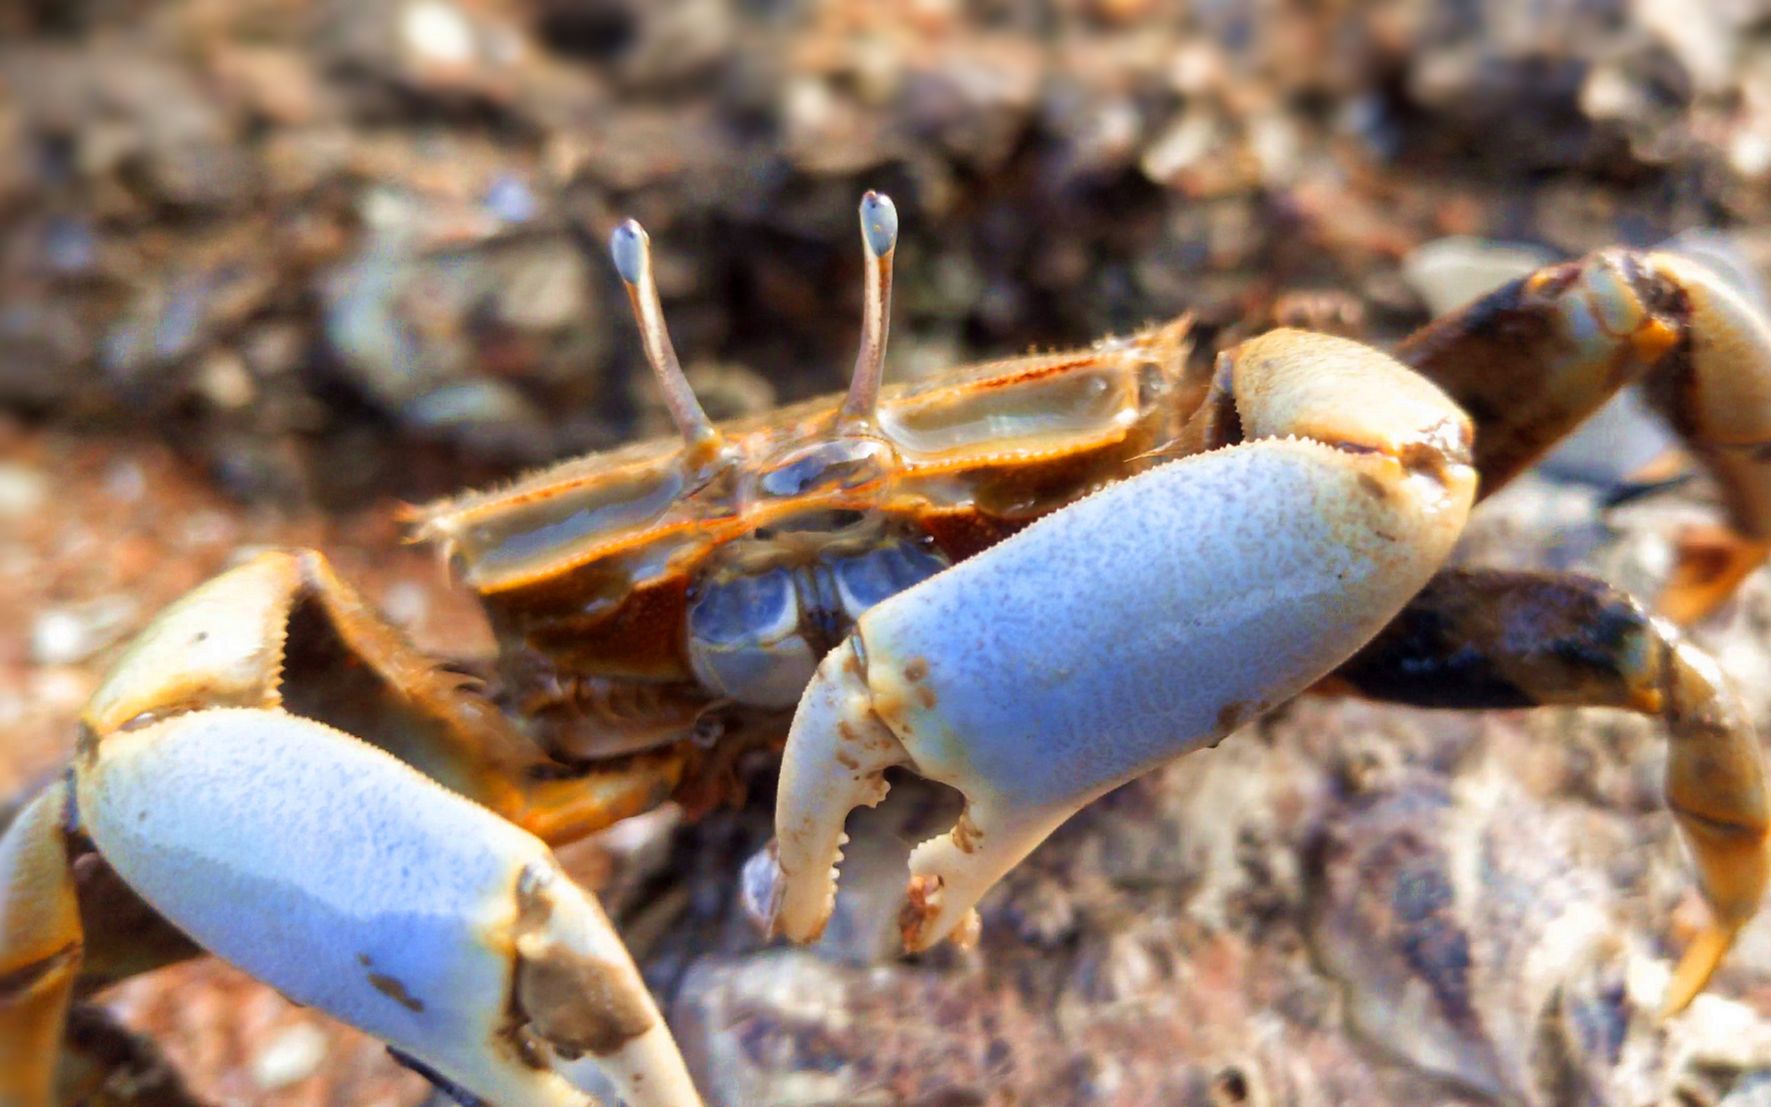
[1031,580]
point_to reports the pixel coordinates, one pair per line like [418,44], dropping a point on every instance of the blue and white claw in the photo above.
[345,879]
[1139,624]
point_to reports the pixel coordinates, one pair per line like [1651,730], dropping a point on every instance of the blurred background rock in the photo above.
[317,243]
[268,265]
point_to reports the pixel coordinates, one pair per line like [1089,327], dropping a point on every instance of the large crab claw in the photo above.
[1142,622]
[328,868]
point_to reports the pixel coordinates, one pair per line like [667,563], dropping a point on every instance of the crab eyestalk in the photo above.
[631,248]
[879,237]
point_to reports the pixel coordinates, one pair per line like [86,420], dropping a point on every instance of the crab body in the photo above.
[1030,580]
[640,600]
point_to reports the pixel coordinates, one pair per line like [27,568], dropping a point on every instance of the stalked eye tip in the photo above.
[628,246]
[879,223]
[632,252]
[879,234]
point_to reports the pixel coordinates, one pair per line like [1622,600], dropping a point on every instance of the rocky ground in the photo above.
[268,268]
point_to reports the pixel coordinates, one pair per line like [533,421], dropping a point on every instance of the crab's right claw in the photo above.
[1143,621]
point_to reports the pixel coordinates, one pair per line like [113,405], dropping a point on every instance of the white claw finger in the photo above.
[838,752]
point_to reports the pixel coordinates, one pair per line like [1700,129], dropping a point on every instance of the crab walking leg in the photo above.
[348,881]
[1136,625]
[40,947]
[1532,359]
[68,927]
[1485,639]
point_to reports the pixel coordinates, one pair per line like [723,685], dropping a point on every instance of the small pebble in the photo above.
[438,32]
[224,382]
[69,635]
[58,638]
[511,199]
[58,690]
[22,490]
[1449,272]
[12,707]
[290,1057]
[125,482]
[405,603]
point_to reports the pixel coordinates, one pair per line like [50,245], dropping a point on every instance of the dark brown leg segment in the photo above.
[1483,639]
[1534,358]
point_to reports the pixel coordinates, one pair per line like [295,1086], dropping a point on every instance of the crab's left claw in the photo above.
[344,879]
[234,802]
